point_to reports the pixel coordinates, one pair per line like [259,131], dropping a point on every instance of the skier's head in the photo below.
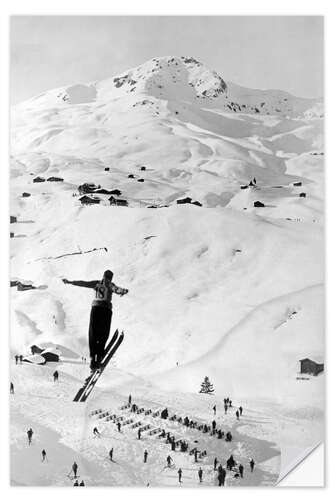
[107,276]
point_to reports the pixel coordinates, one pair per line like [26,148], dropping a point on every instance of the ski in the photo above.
[92,379]
[88,379]
[99,372]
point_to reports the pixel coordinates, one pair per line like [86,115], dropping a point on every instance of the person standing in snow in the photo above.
[214,409]
[228,436]
[200,473]
[139,434]
[129,399]
[214,425]
[237,414]
[100,315]
[215,463]
[76,483]
[12,388]
[221,476]
[119,426]
[21,359]
[96,432]
[225,408]
[241,470]
[252,463]
[16,358]
[111,454]
[241,410]
[82,483]
[145,456]
[180,473]
[44,457]
[30,433]
[169,461]
[55,376]
[74,469]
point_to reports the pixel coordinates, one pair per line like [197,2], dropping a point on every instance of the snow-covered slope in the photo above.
[225,289]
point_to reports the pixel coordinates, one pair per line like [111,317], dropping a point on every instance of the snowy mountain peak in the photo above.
[167,72]
[167,77]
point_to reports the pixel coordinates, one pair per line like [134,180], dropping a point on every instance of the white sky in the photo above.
[256,51]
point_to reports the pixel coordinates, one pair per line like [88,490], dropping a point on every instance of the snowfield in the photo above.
[226,290]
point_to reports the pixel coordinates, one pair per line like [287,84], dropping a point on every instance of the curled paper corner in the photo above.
[302,467]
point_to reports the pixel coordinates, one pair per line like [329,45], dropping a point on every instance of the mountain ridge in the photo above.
[177,78]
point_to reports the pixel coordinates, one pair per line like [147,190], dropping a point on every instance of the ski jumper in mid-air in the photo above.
[101,314]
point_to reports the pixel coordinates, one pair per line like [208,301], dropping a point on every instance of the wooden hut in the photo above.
[89,200]
[55,179]
[117,202]
[311,366]
[184,200]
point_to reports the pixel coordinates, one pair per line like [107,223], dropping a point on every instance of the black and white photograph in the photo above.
[167,274]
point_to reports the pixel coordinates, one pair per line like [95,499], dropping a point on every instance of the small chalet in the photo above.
[143,168]
[87,188]
[244,187]
[55,179]
[197,203]
[184,200]
[13,219]
[26,195]
[50,355]
[38,179]
[117,202]
[22,287]
[311,367]
[35,349]
[141,180]
[130,176]
[107,169]
[116,192]
[302,195]
[297,184]
[89,200]
[258,204]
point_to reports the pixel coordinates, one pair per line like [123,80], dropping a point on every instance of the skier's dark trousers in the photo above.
[101,314]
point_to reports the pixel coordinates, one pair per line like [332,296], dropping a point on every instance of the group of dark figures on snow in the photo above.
[74,468]
[231,464]
[18,359]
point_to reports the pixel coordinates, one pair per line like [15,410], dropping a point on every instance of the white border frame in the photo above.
[313,465]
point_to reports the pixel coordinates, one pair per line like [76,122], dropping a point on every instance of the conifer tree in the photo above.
[206,386]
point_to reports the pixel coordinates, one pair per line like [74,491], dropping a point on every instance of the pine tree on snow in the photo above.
[206,386]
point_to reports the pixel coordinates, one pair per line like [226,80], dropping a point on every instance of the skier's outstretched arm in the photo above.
[119,290]
[86,284]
